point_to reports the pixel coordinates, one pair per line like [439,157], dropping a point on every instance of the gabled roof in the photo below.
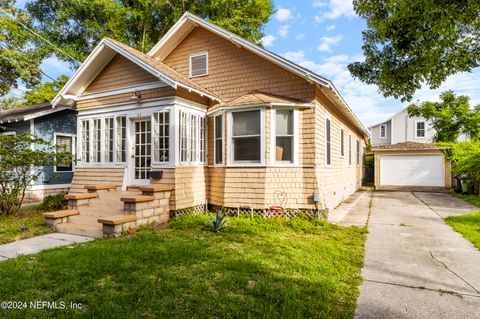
[103,54]
[409,146]
[188,22]
[25,113]
[258,98]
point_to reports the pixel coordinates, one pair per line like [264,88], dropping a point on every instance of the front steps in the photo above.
[105,211]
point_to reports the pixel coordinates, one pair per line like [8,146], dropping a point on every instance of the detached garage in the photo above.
[411,166]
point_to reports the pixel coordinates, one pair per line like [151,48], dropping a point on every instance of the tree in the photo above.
[20,166]
[411,42]
[450,117]
[465,157]
[45,92]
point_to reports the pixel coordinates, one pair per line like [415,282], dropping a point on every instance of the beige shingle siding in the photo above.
[233,72]
[120,72]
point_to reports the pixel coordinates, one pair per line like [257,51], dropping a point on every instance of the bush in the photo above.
[53,203]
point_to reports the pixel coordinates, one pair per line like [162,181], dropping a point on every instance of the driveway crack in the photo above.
[453,272]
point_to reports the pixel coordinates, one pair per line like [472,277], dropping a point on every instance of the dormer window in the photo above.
[198,64]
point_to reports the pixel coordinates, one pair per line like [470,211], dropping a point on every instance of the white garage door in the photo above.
[412,170]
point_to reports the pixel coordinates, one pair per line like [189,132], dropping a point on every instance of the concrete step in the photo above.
[100,211]
[80,229]
[84,220]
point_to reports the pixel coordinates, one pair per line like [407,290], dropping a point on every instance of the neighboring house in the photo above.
[223,121]
[402,128]
[57,126]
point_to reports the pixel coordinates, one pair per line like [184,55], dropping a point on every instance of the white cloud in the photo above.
[283,14]
[268,40]
[334,10]
[283,31]
[331,27]
[300,36]
[326,43]
[319,4]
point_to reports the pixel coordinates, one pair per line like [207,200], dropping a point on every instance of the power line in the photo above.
[38,35]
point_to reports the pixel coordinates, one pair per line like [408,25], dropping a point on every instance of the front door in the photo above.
[143,151]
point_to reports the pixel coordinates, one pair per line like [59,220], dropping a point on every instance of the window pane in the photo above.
[246,148]
[65,144]
[85,141]
[161,136]
[218,139]
[246,123]
[218,151]
[218,126]
[284,122]
[283,150]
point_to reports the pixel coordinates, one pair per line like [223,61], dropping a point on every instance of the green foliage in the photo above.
[77,25]
[369,147]
[450,117]
[264,272]
[472,199]
[411,42]
[53,203]
[45,92]
[219,221]
[24,224]
[465,157]
[468,226]
[20,166]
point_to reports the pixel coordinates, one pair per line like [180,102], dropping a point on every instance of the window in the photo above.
[108,140]
[121,139]
[284,135]
[198,64]
[358,152]
[85,141]
[349,149]
[192,138]
[328,146]
[65,143]
[342,142]
[219,139]
[161,136]
[383,131]
[420,129]
[97,144]
[246,136]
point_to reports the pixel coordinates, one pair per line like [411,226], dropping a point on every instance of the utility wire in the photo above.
[38,35]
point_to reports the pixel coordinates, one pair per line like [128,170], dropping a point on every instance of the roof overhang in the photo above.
[188,22]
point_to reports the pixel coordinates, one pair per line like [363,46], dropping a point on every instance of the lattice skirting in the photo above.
[266,213]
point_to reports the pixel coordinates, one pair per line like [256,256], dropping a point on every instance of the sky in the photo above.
[325,36]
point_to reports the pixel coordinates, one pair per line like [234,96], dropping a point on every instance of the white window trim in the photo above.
[357,152]
[190,112]
[424,130]
[222,163]
[171,136]
[273,138]
[193,55]
[342,139]
[350,157]
[328,117]
[74,148]
[380,131]
[230,161]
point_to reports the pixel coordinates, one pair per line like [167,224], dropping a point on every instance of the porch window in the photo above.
[121,151]
[97,144]
[66,144]
[284,135]
[246,136]
[108,140]
[203,140]
[161,137]
[192,144]
[219,139]
[328,144]
[85,141]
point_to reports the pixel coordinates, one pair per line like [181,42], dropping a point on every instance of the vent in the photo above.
[199,64]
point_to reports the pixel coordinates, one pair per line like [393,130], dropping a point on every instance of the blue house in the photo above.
[56,125]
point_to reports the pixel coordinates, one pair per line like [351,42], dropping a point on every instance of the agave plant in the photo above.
[219,222]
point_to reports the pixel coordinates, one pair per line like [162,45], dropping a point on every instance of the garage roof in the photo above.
[409,146]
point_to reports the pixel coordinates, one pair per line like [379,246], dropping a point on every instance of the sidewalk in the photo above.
[36,244]
[353,211]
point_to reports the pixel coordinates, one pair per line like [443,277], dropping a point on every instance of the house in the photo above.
[55,125]
[401,128]
[218,119]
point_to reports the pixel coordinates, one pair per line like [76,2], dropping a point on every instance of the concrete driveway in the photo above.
[416,266]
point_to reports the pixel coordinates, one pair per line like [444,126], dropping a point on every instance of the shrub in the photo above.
[53,203]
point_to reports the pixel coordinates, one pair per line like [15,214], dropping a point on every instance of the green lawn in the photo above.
[10,225]
[467,225]
[253,268]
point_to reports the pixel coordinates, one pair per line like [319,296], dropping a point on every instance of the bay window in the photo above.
[284,135]
[246,136]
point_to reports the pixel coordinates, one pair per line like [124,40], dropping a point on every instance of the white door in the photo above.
[412,170]
[142,156]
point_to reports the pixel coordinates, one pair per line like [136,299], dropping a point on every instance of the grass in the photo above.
[467,225]
[253,268]
[11,225]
